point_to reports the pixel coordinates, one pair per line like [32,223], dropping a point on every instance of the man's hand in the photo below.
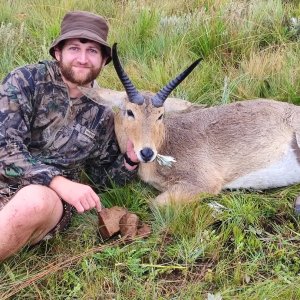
[81,196]
[131,155]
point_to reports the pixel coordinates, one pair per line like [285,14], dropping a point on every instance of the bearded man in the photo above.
[50,131]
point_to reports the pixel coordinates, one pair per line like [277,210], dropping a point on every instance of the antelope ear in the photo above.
[112,97]
[105,97]
[176,104]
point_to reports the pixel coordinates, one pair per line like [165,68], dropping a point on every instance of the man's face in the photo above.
[80,63]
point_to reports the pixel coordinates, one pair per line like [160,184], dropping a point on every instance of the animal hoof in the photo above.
[157,202]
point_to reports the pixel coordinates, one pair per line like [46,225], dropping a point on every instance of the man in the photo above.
[50,131]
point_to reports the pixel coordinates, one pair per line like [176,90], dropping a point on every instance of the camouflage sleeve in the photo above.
[17,164]
[107,165]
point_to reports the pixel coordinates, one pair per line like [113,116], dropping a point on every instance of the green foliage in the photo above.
[132,196]
[237,245]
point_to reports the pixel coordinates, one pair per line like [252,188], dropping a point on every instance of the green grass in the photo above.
[236,245]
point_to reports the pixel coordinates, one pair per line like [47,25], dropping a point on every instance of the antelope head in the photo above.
[140,117]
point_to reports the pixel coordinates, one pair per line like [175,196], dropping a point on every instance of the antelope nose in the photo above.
[147,154]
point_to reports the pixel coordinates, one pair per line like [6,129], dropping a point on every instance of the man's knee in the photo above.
[37,201]
[28,216]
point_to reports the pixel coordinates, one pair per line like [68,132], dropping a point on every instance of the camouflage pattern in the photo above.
[44,133]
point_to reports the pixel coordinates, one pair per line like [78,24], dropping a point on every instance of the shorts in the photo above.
[68,210]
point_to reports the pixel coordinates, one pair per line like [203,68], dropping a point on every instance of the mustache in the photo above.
[83,66]
[75,77]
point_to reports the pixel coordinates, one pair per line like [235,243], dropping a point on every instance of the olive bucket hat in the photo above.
[82,24]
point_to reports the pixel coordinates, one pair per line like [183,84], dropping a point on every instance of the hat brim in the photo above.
[82,34]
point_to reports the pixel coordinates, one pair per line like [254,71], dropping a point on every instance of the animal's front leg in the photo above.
[182,193]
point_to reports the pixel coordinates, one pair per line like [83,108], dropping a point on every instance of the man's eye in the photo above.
[130,113]
[73,48]
[160,117]
[94,51]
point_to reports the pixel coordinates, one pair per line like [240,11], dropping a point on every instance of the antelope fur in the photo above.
[251,144]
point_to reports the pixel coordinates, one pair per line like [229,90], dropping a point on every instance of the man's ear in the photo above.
[57,54]
[103,62]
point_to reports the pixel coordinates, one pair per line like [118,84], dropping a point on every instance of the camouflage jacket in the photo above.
[44,133]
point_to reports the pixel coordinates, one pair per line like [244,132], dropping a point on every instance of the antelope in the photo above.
[251,144]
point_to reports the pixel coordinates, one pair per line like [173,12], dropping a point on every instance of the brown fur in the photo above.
[212,146]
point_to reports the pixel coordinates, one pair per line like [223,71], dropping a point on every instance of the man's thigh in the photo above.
[12,195]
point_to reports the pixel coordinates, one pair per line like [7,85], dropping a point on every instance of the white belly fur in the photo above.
[282,173]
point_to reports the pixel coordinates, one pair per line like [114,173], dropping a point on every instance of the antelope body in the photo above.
[251,144]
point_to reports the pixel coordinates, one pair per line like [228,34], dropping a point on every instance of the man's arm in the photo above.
[17,164]
[81,196]
[16,112]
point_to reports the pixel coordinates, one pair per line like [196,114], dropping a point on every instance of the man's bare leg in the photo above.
[27,218]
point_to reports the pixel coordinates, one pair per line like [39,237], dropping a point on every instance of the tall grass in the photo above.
[237,245]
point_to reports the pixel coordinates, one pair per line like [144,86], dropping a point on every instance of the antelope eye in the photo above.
[130,113]
[160,117]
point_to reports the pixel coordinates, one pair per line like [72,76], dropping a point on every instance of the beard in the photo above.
[76,77]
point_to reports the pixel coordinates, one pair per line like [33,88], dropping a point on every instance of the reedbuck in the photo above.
[249,144]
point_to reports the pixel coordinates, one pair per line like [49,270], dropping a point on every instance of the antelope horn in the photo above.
[159,99]
[133,95]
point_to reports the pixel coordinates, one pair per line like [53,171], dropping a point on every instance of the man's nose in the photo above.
[82,57]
